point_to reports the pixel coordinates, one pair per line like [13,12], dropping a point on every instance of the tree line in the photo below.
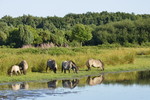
[76,29]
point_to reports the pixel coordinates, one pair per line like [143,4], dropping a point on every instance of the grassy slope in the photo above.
[141,63]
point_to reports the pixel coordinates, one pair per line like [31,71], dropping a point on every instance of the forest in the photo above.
[91,28]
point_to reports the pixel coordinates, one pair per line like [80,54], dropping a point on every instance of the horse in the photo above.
[51,64]
[95,80]
[94,63]
[14,69]
[70,83]
[68,65]
[23,67]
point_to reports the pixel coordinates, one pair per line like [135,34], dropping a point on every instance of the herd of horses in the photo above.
[22,67]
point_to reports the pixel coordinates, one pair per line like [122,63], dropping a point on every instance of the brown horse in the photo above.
[23,66]
[94,63]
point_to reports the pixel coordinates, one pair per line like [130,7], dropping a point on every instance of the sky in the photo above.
[44,8]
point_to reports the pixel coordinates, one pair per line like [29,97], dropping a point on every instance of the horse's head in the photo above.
[55,69]
[75,68]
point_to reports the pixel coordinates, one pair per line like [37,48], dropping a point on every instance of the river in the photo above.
[111,86]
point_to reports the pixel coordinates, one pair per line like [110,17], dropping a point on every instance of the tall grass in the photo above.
[37,58]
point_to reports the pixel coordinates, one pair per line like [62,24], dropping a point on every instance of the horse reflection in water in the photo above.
[95,80]
[70,83]
[19,86]
[52,84]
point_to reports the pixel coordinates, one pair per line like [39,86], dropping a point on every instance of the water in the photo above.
[113,86]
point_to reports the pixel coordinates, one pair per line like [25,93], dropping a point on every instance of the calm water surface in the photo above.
[114,86]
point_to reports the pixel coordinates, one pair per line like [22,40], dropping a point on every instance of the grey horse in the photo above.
[51,64]
[68,65]
[94,63]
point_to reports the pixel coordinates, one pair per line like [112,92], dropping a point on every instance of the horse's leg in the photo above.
[76,71]
[64,71]
[19,72]
[16,73]
[46,68]
[24,72]
[89,68]
[11,73]
[69,70]
[54,70]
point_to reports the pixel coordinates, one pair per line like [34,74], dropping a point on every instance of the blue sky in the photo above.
[60,8]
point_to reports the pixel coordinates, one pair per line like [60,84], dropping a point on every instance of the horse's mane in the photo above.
[101,62]
[72,62]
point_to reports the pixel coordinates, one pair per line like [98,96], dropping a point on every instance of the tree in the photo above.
[25,35]
[3,33]
[45,35]
[81,33]
[3,38]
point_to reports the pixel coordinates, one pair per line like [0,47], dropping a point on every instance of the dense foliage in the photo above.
[75,29]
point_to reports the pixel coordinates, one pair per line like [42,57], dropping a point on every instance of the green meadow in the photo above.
[115,60]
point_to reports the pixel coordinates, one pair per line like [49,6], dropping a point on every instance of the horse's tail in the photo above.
[46,67]
[102,64]
[88,65]
[62,68]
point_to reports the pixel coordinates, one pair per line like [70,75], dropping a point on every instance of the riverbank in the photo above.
[141,63]
[116,60]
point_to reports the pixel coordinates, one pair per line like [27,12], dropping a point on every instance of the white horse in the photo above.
[15,69]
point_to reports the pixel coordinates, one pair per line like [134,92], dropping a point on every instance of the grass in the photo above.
[115,59]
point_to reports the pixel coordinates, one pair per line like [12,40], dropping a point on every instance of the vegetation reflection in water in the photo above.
[23,88]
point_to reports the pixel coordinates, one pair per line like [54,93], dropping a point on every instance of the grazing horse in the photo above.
[70,83]
[68,65]
[95,80]
[23,66]
[94,63]
[14,69]
[51,64]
